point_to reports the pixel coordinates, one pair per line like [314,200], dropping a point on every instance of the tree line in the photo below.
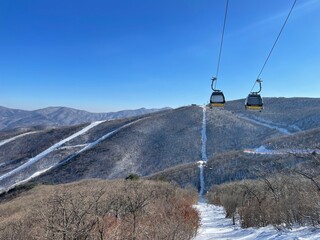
[282,200]
[122,209]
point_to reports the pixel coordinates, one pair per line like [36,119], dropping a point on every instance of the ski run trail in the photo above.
[49,150]
[203,153]
[58,146]
[262,150]
[269,124]
[214,225]
[15,137]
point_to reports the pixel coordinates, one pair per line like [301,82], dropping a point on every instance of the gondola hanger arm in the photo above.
[260,85]
[213,86]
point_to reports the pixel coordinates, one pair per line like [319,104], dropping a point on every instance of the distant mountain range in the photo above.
[60,116]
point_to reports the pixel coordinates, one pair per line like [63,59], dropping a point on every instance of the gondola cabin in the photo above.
[254,102]
[217,99]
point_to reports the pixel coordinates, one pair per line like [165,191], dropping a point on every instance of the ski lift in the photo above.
[254,100]
[217,98]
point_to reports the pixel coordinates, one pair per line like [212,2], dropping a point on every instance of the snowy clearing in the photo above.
[264,151]
[204,157]
[204,136]
[3,142]
[268,124]
[216,226]
[36,174]
[74,146]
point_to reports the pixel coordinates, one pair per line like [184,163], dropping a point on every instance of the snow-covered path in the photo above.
[216,226]
[3,142]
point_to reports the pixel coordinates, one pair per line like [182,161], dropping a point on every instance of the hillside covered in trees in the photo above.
[263,168]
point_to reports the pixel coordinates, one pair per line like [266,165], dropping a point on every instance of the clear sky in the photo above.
[108,55]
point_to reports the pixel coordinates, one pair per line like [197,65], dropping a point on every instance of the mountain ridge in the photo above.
[61,116]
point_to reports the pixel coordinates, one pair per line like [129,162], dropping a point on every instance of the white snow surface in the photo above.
[204,136]
[216,226]
[204,157]
[3,142]
[267,124]
[264,151]
[91,145]
[73,146]
[49,150]
[36,174]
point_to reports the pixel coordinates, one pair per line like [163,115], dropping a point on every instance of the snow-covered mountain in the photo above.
[162,144]
[228,144]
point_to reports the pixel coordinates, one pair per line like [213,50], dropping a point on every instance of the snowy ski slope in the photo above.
[49,150]
[58,145]
[268,124]
[204,157]
[214,225]
[3,142]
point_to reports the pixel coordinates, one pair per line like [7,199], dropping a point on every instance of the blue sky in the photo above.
[108,55]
